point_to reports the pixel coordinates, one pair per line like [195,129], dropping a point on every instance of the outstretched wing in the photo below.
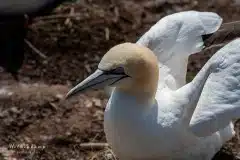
[220,98]
[174,38]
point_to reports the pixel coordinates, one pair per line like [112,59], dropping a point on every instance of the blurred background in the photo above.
[72,39]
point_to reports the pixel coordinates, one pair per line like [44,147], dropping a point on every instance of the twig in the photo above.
[230,24]
[93,145]
[115,158]
[107,33]
[116,14]
[54,106]
[59,16]
[35,49]
[68,20]
[214,46]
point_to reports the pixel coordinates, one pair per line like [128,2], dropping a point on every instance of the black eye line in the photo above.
[113,71]
[118,80]
[92,85]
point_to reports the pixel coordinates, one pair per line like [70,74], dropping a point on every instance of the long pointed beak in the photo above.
[97,80]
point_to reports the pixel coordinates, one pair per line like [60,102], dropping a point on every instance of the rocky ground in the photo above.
[35,123]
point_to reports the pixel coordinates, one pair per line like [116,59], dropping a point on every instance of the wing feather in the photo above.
[219,103]
[174,38]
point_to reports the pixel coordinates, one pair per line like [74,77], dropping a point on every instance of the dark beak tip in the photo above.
[67,97]
[70,95]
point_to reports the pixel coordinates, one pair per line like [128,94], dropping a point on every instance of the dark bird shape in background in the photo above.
[15,16]
[226,33]
[12,33]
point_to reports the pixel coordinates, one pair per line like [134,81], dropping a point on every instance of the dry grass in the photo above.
[73,39]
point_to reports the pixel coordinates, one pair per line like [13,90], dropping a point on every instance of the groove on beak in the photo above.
[97,80]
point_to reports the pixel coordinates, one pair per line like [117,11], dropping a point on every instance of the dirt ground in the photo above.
[35,123]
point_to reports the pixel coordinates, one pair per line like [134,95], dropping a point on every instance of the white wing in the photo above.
[220,98]
[174,38]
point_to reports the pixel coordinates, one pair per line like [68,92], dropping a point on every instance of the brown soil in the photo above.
[33,112]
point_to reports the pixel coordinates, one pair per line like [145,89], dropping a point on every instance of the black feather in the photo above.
[12,33]
[31,7]
[13,29]
[206,37]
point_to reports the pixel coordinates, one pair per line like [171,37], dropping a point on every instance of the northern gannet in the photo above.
[152,113]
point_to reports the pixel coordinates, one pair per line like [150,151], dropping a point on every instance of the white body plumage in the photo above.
[158,131]
[161,131]
[152,113]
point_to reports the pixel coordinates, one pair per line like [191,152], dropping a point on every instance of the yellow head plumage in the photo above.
[129,67]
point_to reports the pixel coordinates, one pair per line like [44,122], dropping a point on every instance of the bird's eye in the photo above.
[119,70]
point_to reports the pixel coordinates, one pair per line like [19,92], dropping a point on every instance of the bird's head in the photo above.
[128,67]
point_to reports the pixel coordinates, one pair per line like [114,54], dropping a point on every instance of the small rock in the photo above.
[99,114]
[59,96]
[3,114]
[45,137]
[68,133]
[5,92]
[14,110]
[57,120]
[25,79]
[88,103]
[97,102]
